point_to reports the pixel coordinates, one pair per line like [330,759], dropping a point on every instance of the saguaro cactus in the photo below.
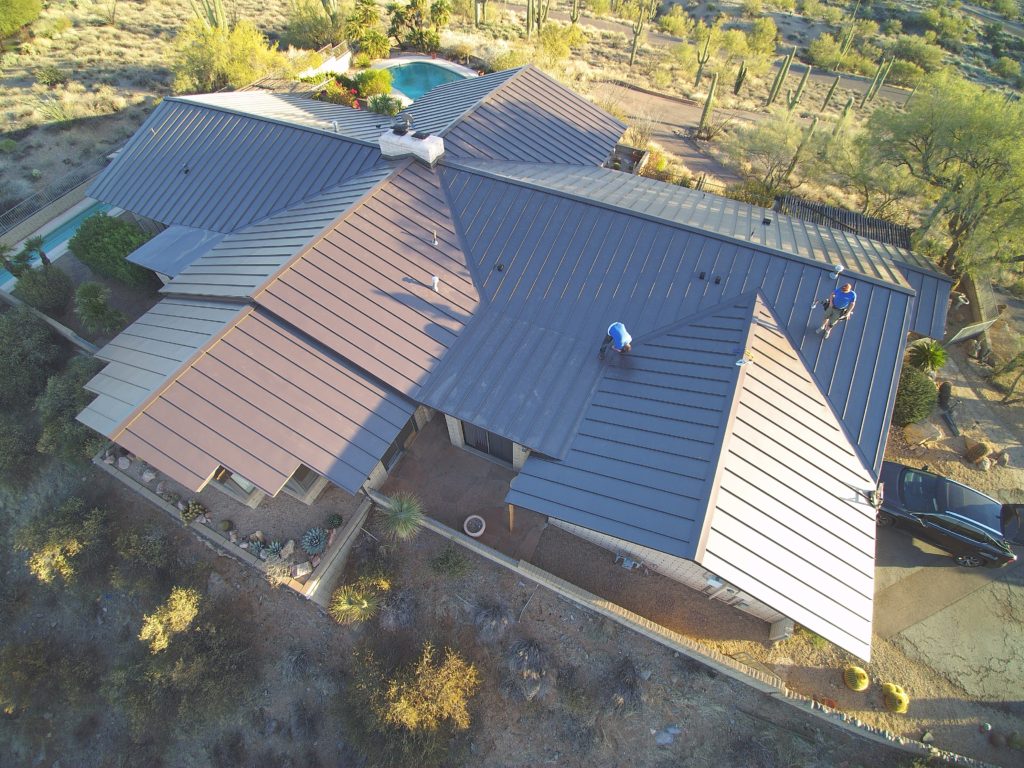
[705,116]
[793,98]
[831,92]
[800,148]
[876,83]
[741,75]
[702,59]
[780,77]
[843,118]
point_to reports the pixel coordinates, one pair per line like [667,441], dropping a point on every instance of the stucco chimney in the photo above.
[401,141]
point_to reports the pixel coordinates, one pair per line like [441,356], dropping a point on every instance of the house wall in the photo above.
[678,569]
[519,452]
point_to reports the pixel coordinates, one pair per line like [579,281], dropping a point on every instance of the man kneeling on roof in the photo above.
[838,307]
[619,339]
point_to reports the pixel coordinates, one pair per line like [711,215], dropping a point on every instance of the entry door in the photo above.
[487,442]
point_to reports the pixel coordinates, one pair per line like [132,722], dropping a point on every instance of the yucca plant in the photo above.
[926,355]
[355,603]
[402,517]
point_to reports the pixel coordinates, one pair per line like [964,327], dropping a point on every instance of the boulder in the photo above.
[108,459]
[124,463]
[1003,458]
[161,489]
[233,537]
[302,569]
[148,476]
[259,537]
[985,464]
[288,549]
[921,432]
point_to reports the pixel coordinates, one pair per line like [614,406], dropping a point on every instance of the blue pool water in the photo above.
[417,78]
[63,232]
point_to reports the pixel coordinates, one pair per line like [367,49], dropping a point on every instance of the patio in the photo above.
[454,483]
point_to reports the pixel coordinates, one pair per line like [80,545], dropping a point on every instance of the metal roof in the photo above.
[532,117]
[790,523]
[364,288]
[440,107]
[262,400]
[745,222]
[200,166]
[142,357]
[569,268]
[174,249]
[244,260]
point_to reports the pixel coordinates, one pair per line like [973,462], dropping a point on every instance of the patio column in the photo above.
[511,517]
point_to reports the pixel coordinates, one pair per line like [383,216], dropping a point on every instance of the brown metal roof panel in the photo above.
[168,451]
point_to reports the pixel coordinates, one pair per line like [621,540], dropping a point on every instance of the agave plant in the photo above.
[354,603]
[274,548]
[314,541]
[256,547]
[402,518]
[926,355]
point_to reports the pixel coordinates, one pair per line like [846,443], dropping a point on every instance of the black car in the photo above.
[975,528]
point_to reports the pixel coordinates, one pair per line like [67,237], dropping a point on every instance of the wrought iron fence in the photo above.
[31,205]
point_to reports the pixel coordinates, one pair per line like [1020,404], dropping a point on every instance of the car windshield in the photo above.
[977,506]
[919,491]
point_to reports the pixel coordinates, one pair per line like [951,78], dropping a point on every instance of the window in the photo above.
[960,528]
[395,450]
[235,485]
[487,442]
[919,491]
[302,481]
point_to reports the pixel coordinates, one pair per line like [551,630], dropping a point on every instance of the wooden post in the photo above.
[511,517]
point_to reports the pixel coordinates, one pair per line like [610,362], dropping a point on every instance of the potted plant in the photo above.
[474,526]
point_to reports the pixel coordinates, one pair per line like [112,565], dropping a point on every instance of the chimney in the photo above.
[401,141]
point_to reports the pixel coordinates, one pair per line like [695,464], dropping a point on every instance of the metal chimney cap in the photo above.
[401,123]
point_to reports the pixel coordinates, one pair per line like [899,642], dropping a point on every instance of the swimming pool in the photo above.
[418,77]
[59,235]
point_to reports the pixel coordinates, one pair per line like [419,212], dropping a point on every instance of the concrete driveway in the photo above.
[964,623]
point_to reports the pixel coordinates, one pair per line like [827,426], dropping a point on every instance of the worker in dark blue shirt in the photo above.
[619,339]
[838,307]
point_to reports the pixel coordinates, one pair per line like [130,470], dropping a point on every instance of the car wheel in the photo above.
[884,520]
[970,561]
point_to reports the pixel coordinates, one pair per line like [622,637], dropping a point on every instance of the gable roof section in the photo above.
[531,117]
[440,107]
[174,249]
[745,222]
[570,268]
[199,166]
[642,462]
[142,357]
[787,524]
[244,260]
[364,288]
[262,400]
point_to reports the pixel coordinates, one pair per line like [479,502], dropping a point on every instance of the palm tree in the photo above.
[5,257]
[15,263]
[402,517]
[35,245]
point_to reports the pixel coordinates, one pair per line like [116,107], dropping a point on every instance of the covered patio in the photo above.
[454,483]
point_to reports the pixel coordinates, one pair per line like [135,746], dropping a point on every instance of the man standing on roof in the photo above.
[618,337]
[838,307]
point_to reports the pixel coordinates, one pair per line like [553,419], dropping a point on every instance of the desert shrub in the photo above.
[360,601]
[824,51]
[373,82]
[309,27]
[51,76]
[46,288]
[94,312]
[384,105]
[1006,67]
[753,192]
[398,610]
[450,562]
[676,22]
[15,14]
[102,242]
[626,686]
[752,9]
[492,622]
[514,56]
[402,518]
[210,58]
[18,436]
[172,618]
[62,543]
[527,672]
[8,146]
[905,73]
[62,400]
[919,51]
[762,36]
[915,397]
[28,355]
[374,44]
[42,674]
[336,93]
[150,549]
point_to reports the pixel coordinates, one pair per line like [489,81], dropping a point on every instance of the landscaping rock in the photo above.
[108,459]
[927,738]
[985,464]
[921,432]
[124,463]
[1003,458]
[288,549]
[181,505]
[315,560]
[258,536]
[302,569]
[161,489]
[233,537]
[663,738]
[148,476]
[264,553]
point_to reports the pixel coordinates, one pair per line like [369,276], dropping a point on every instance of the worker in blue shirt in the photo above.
[619,339]
[838,307]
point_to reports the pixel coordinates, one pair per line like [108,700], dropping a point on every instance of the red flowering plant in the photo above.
[336,94]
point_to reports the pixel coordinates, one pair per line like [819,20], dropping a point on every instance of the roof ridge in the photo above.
[485,98]
[474,168]
[739,299]
[266,119]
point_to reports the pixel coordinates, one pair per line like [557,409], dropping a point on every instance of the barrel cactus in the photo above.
[895,698]
[334,521]
[193,511]
[314,541]
[856,678]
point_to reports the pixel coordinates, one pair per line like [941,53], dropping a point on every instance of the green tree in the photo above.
[62,400]
[926,355]
[676,22]
[916,396]
[431,693]
[103,242]
[94,311]
[15,14]
[310,26]
[373,82]
[965,145]
[48,289]
[768,153]
[14,263]
[58,544]
[919,51]
[762,36]
[17,449]
[28,354]
[1006,68]
[364,17]
[172,618]
[210,58]
[881,191]
[34,246]
[418,23]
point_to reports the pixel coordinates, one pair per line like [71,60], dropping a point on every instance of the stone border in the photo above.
[721,663]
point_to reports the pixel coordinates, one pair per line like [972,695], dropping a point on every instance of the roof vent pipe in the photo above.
[837,270]
[434,282]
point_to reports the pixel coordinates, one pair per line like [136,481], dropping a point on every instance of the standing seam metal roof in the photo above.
[199,166]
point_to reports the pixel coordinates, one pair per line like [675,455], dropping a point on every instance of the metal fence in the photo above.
[12,217]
